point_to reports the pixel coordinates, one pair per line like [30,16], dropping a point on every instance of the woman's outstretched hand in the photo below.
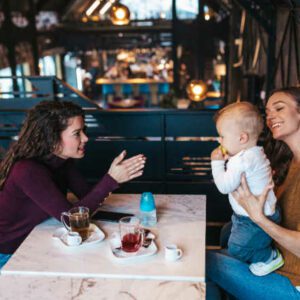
[253,205]
[123,170]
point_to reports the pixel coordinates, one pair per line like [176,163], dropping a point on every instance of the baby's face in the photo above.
[229,134]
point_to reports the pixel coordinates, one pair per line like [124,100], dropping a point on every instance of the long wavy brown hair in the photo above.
[277,151]
[40,133]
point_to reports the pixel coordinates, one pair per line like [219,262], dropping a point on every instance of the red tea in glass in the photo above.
[131,242]
[131,234]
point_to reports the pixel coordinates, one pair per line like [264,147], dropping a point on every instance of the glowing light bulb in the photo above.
[120,13]
[197,89]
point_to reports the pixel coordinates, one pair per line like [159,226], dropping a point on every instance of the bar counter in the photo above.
[135,83]
[131,81]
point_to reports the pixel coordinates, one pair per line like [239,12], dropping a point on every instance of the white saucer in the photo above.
[118,253]
[96,236]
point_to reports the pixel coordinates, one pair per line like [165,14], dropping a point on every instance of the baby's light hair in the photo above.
[247,117]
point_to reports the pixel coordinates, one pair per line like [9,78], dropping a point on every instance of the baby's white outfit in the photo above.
[254,163]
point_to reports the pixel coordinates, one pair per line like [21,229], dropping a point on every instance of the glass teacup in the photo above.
[131,234]
[79,221]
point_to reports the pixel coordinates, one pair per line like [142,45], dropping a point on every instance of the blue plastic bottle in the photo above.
[148,210]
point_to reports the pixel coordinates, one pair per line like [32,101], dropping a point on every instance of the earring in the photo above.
[56,149]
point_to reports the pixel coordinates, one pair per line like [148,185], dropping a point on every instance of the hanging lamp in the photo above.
[196,90]
[120,14]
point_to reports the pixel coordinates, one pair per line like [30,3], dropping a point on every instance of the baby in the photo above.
[239,126]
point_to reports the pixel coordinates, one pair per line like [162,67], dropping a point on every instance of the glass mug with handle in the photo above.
[131,234]
[79,221]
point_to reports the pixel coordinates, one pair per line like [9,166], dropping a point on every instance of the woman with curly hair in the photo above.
[38,169]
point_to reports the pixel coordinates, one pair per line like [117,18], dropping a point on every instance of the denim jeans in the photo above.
[235,278]
[3,259]
[248,242]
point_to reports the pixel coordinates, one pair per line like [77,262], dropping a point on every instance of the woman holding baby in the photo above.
[230,273]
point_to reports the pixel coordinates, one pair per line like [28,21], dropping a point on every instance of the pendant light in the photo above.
[196,90]
[120,14]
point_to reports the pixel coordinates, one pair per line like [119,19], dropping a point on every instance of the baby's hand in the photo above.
[216,154]
[219,154]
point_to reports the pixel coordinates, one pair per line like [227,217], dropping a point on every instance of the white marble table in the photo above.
[44,268]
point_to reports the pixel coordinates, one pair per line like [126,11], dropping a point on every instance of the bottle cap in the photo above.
[147,202]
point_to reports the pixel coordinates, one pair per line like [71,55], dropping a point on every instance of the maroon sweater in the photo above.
[35,191]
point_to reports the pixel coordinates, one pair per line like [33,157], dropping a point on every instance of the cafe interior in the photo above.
[150,76]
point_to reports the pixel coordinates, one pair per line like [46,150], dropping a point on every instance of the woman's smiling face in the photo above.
[73,139]
[283,116]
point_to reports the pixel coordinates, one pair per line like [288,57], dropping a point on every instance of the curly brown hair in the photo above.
[277,151]
[40,133]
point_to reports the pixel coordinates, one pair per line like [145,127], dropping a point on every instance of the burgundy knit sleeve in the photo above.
[36,181]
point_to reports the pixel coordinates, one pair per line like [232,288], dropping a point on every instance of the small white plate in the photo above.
[115,247]
[96,236]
